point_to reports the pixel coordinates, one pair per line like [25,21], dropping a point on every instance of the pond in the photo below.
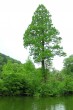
[30,103]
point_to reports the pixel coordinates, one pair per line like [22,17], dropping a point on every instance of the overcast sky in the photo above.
[16,15]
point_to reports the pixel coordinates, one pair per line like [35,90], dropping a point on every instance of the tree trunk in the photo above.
[43,63]
[43,70]
[43,67]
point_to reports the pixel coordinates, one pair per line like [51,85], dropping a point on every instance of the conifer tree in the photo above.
[42,38]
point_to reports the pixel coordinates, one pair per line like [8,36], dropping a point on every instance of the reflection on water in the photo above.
[57,107]
[30,103]
[53,107]
[48,104]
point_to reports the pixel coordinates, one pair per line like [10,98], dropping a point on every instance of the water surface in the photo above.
[30,103]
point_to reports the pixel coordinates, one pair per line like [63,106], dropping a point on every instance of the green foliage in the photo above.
[4,59]
[10,68]
[25,79]
[68,65]
[42,30]
[68,84]
[42,38]
[29,66]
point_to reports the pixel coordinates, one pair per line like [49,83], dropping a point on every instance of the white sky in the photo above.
[16,15]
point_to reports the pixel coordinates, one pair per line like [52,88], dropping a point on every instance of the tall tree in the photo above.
[42,38]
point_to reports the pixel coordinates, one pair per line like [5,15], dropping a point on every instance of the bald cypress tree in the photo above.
[42,38]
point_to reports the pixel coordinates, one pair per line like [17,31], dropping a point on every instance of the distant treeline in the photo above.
[4,59]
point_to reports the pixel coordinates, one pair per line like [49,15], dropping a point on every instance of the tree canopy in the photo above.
[42,37]
[68,65]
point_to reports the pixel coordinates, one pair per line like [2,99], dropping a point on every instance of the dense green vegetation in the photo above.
[24,79]
[4,59]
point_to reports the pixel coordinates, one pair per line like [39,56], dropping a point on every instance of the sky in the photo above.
[15,17]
